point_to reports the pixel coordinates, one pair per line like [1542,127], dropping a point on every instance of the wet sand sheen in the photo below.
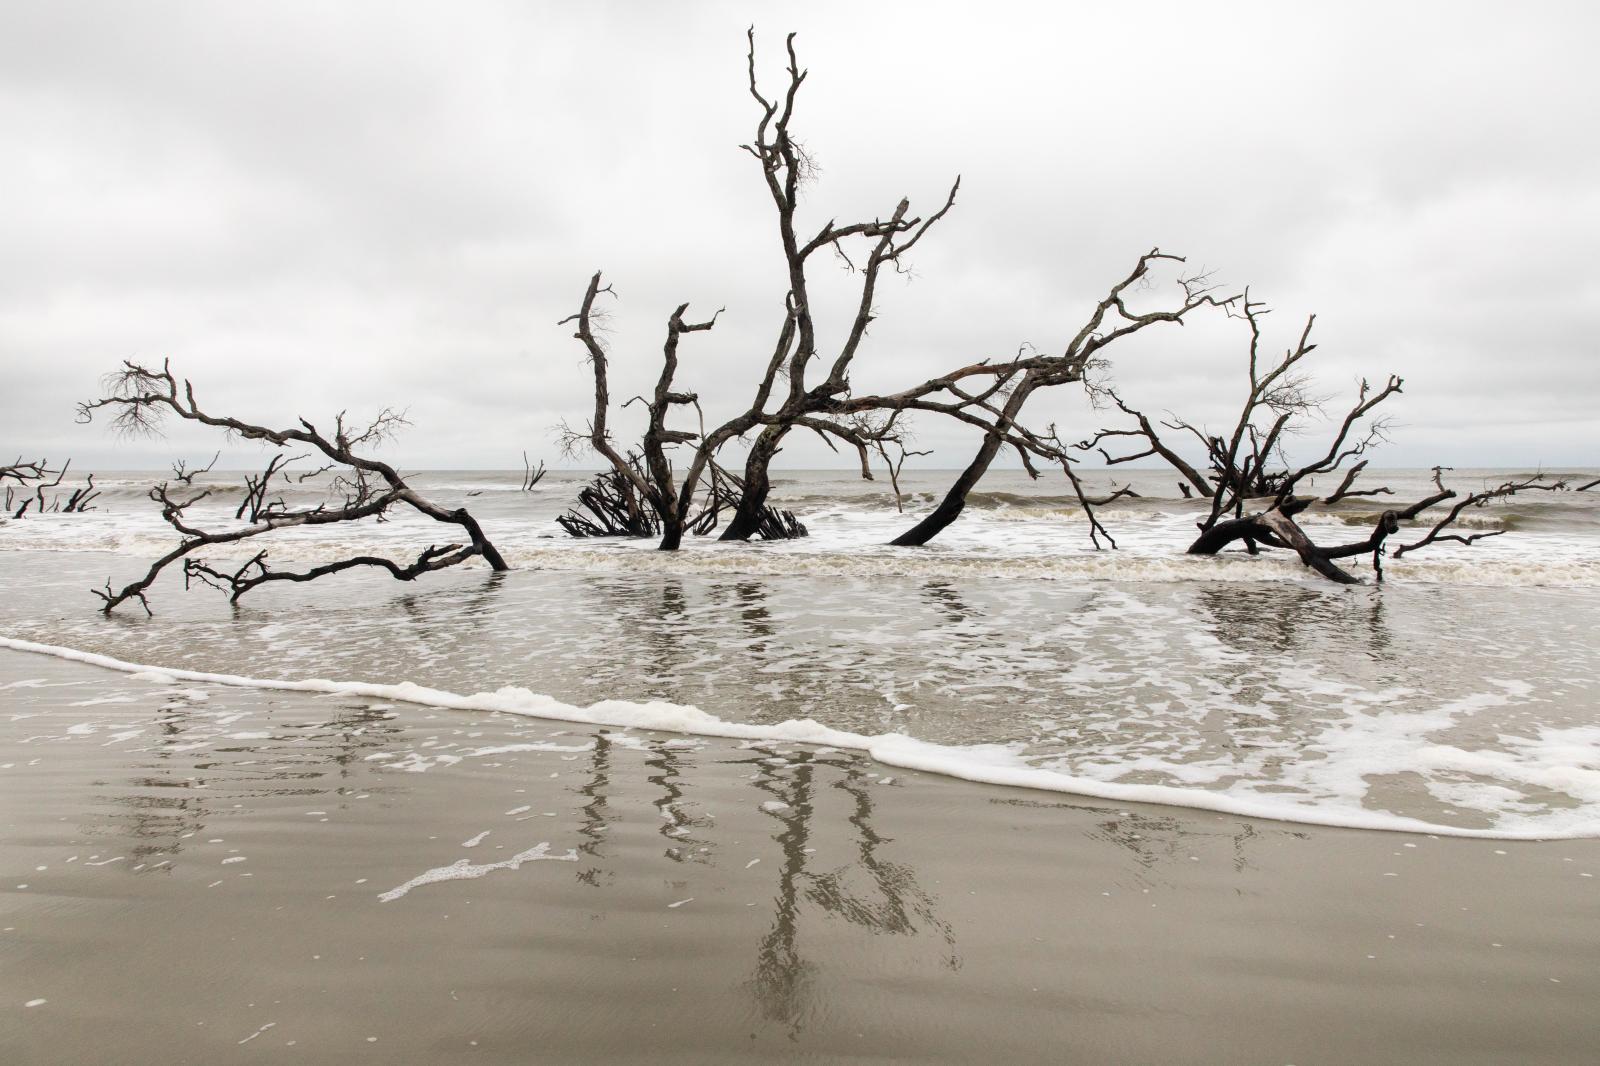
[214,862]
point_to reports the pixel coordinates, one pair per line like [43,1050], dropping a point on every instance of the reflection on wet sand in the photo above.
[676,820]
[783,980]
[742,897]
[205,763]
[1161,843]
[596,818]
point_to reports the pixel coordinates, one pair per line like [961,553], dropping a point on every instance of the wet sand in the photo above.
[195,873]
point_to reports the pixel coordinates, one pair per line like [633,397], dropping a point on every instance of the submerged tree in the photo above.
[1111,320]
[1254,489]
[645,476]
[360,487]
[803,388]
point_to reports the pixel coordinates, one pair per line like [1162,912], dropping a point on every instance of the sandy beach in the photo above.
[199,873]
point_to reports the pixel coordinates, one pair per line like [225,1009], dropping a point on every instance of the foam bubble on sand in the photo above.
[507,749]
[1364,744]
[464,870]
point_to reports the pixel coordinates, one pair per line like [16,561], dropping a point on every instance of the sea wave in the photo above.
[1559,761]
[993,548]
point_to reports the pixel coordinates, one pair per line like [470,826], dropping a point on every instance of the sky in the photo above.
[313,207]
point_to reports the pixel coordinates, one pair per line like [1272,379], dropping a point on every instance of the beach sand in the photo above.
[196,873]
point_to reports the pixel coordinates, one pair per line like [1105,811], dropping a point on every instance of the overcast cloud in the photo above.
[316,206]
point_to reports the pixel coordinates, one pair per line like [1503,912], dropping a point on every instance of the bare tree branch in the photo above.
[140,397]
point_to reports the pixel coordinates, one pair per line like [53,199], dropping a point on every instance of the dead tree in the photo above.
[773,412]
[365,488]
[802,388]
[531,475]
[29,482]
[807,403]
[184,476]
[1248,480]
[999,412]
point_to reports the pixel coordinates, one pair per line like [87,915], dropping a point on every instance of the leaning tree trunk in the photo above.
[955,501]
[747,519]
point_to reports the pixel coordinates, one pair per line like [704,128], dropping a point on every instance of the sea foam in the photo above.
[1568,760]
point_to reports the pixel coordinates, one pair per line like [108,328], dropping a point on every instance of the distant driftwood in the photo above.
[25,484]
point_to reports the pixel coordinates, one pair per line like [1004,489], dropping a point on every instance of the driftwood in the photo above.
[364,488]
[185,476]
[531,475]
[25,484]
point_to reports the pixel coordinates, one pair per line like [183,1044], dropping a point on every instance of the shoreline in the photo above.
[727,900]
[981,764]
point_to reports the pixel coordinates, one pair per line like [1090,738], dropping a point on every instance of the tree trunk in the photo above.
[753,496]
[955,501]
[1276,528]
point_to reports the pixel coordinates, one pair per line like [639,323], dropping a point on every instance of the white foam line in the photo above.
[991,764]
[464,870]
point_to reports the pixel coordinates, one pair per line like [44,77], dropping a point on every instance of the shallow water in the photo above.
[1442,708]
[387,834]
[1013,528]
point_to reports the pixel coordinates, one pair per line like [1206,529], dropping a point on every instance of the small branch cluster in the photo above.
[531,475]
[610,506]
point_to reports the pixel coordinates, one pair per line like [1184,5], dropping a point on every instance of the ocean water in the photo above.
[1460,697]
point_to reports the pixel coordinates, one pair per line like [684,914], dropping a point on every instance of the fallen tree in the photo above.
[361,488]
[1251,485]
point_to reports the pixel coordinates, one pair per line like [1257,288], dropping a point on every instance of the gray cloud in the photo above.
[309,208]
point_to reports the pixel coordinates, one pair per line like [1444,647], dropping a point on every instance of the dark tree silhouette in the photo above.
[363,488]
[1251,484]
[25,484]
[803,388]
